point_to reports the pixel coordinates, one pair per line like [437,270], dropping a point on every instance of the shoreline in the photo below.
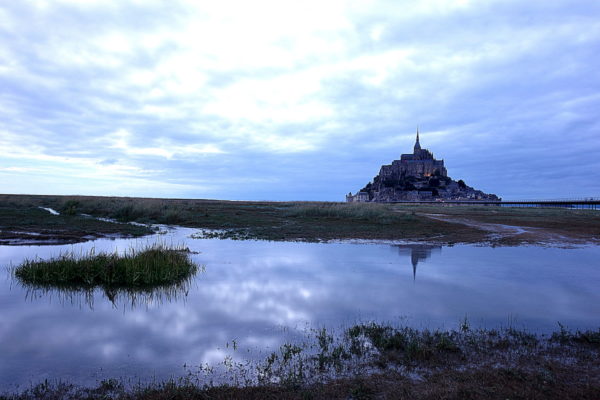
[380,361]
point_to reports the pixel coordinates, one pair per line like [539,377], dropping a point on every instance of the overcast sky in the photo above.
[296,100]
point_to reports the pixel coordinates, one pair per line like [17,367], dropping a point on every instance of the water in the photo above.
[261,294]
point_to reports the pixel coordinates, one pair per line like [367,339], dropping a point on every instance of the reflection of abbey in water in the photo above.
[417,252]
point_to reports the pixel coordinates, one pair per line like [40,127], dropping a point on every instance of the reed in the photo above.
[151,266]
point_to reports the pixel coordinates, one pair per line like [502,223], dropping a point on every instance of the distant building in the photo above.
[419,164]
[358,197]
[416,176]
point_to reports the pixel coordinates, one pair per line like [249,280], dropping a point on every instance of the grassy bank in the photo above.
[25,222]
[372,361]
[315,221]
[152,266]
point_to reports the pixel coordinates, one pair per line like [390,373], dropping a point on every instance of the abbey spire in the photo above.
[417,144]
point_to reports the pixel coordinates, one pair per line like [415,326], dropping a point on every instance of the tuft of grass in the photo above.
[402,343]
[565,336]
[152,266]
[589,337]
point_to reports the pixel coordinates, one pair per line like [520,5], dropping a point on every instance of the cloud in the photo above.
[199,92]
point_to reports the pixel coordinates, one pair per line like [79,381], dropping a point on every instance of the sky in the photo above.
[296,100]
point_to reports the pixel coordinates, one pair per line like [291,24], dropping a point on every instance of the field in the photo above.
[20,216]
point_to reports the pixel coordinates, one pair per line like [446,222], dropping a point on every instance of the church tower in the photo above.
[417,148]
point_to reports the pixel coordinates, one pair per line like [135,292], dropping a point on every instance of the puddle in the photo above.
[50,210]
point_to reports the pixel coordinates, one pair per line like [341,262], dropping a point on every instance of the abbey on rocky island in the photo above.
[414,177]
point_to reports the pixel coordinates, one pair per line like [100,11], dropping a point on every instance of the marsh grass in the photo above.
[318,221]
[364,350]
[402,344]
[154,265]
[381,213]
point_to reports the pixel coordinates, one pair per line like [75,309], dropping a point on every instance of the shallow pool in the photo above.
[260,294]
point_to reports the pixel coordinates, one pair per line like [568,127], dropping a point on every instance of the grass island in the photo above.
[152,266]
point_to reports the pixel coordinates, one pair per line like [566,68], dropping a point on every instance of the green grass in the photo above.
[153,266]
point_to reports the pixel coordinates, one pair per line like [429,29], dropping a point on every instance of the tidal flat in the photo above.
[314,317]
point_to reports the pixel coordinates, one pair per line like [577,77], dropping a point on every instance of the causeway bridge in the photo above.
[589,203]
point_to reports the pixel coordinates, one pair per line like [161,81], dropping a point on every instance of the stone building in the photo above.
[419,164]
[414,177]
[359,197]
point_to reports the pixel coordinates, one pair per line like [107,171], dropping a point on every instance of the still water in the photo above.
[261,294]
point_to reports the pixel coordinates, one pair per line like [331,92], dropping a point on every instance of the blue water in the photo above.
[262,293]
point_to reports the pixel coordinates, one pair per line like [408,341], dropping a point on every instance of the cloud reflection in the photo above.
[265,293]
